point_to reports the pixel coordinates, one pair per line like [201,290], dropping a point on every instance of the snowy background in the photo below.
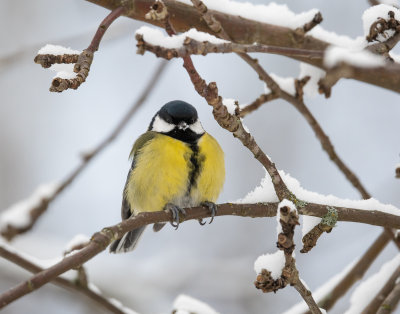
[43,133]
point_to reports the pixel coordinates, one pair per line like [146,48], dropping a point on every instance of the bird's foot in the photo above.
[212,207]
[176,211]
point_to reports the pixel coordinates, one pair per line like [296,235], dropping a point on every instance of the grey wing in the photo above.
[126,208]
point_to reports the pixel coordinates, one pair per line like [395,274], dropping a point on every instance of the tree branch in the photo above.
[19,260]
[83,61]
[10,231]
[262,99]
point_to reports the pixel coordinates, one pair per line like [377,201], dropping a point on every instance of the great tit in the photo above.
[175,164]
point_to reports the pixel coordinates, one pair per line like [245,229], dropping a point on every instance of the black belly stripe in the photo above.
[195,162]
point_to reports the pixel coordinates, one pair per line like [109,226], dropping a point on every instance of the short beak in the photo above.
[183,125]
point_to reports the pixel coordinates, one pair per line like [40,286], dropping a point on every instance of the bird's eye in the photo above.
[191,121]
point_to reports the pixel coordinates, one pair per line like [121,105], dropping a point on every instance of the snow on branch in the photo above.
[363,58]
[265,193]
[381,22]
[272,13]
[184,304]
[20,217]
[71,77]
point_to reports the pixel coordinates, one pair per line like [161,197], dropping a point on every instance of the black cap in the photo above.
[178,110]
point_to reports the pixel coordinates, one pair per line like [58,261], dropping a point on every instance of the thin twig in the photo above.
[262,99]
[100,240]
[19,260]
[11,231]
[306,295]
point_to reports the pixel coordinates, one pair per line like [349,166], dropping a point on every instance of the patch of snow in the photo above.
[273,262]
[311,87]
[357,43]
[18,215]
[272,13]
[120,306]
[185,304]
[362,58]
[309,222]
[230,105]
[57,50]
[79,239]
[65,75]
[372,14]
[265,193]
[285,83]
[157,37]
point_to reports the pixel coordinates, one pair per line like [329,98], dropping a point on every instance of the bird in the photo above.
[175,164]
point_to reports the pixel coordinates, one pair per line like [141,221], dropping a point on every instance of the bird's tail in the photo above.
[128,242]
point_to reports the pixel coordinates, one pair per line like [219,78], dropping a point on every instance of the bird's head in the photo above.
[179,120]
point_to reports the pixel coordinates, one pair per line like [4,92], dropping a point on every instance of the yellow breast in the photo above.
[211,173]
[163,169]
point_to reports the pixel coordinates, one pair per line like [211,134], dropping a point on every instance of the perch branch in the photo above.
[100,240]
[11,231]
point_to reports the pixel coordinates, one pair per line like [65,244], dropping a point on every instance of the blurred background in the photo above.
[42,135]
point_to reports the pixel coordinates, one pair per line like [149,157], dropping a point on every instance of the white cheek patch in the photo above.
[160,125]
[197,127]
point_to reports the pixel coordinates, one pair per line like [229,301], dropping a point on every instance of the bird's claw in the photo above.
[212,207]
[201,222]
[175,210]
